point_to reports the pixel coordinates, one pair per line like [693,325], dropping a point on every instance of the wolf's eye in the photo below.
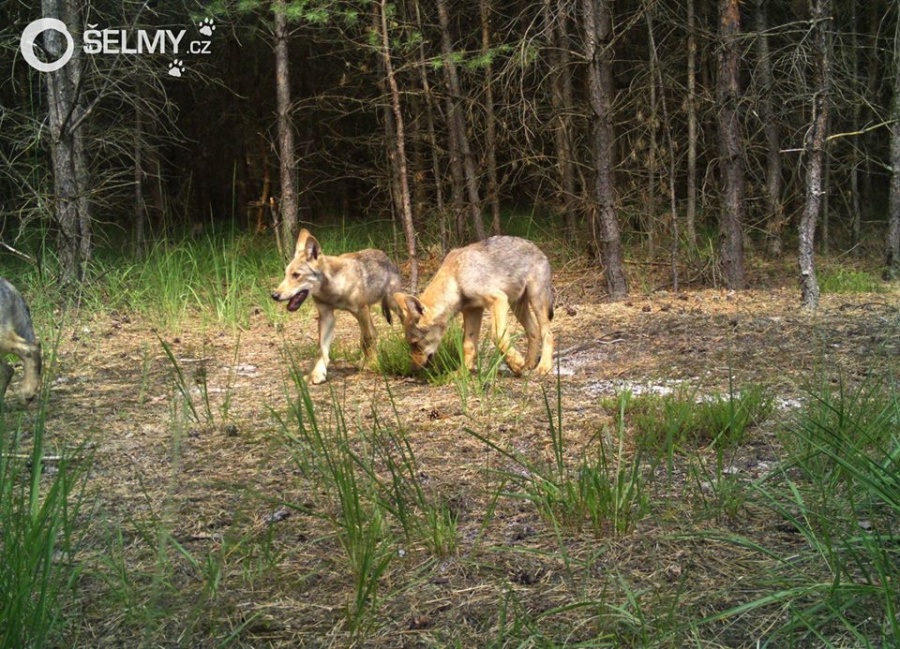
[295,275]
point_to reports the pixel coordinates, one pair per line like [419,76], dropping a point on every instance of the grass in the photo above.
[847,280]
[538,519]
[42,527]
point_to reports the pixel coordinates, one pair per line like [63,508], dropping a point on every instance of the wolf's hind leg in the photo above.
[6,372]
[500,331]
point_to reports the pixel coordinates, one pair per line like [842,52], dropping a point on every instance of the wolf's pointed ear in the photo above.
[410,306]
[307,245]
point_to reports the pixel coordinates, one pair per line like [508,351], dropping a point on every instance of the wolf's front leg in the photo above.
[326,334]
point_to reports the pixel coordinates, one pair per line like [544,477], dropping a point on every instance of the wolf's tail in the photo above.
[386,309]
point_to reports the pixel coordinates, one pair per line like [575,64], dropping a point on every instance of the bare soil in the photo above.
[215,487]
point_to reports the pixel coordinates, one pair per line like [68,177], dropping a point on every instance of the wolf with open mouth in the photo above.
[351,282]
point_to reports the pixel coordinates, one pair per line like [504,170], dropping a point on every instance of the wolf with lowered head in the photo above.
[17,337]
[497,273]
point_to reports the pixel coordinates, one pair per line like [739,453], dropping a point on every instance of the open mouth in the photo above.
[297,300]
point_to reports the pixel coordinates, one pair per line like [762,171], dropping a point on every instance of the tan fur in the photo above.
[496,274]
[351,282]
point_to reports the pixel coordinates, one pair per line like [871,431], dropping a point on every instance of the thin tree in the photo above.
[814,151]
[285,130]
[490,134]
[399,149]
[457,122]
[892,249]
[731,154]
[691,216]
[775,217]
[555,15]
[598,46]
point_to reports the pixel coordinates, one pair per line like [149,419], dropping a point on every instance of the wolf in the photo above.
[497,273]
[17,337]
[351,282]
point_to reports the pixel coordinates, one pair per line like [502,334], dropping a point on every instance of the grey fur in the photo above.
[17,337]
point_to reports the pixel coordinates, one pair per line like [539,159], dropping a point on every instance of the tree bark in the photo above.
[597,28]
[775,218]
[892,249]
[289,229]
[435,157]
[691,217]
[556,28]
[457,121]
[70,170]
[400,151]
[815,142]
[490,153]
[731,245]
[140,205]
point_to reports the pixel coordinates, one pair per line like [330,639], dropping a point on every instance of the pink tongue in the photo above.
[297,300]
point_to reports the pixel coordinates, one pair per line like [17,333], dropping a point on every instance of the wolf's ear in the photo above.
[410,306]
[307,244]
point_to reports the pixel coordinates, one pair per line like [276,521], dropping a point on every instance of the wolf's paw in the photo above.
[315,378]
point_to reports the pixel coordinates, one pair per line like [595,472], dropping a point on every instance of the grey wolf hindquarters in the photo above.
[496,274]
[352,282]
[17,337]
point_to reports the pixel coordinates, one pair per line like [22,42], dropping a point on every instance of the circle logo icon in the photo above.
[31,33]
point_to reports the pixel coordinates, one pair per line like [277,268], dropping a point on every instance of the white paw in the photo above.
[207,27]
[176,68]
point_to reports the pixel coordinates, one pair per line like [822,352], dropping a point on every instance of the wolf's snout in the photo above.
[276,296]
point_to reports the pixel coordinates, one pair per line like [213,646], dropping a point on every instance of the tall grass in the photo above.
[40,528]
[838,487]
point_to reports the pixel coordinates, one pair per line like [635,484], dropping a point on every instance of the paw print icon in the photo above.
[207,27]
[176,68]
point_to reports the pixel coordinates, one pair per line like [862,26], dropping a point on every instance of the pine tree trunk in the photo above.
[597,28]
[432,139]
[691,216]
[457,122]
[400,150]
[731,245]
[775,218]
[289,229]
[556,28]
[892,248]
[815,142]
[490,152]
[70,175]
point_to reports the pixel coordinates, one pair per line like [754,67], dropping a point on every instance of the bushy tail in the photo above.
[386,310]
[550,306]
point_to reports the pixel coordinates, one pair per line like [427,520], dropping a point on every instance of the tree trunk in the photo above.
[597,28]
[493,191]
[70,175]
[435,157]
[653,154]
[691,216]
[400,150]
[815,141]
[731,150]
[457,121]
[140,205]
[556,27]
[892,249]
[289,229]
[775,218]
